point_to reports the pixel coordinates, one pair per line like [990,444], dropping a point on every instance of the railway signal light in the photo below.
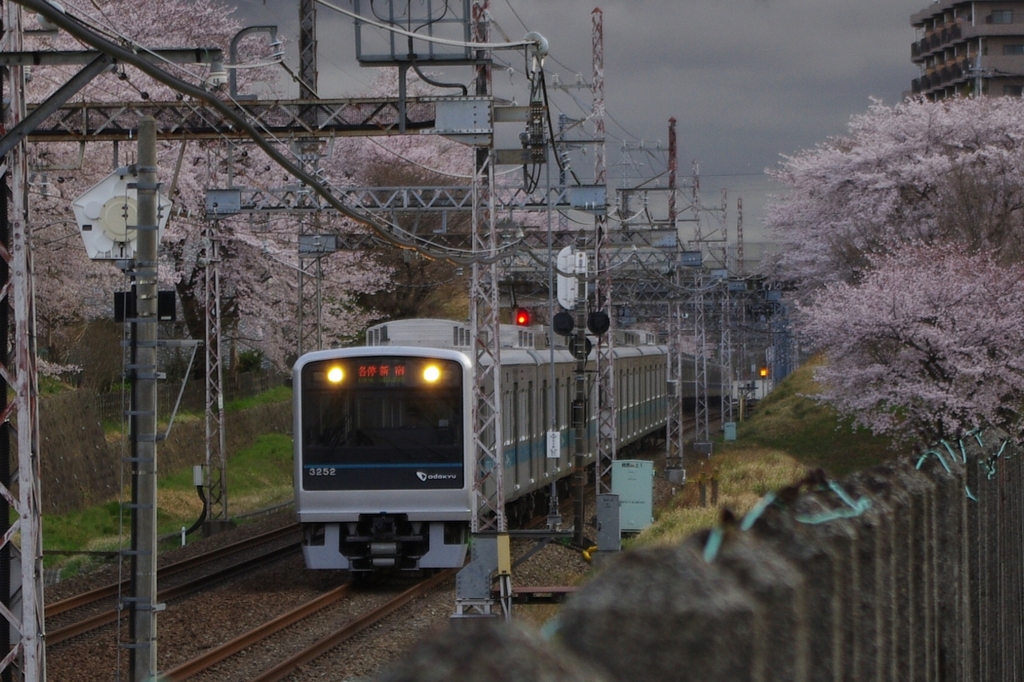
[580,353]
[563,323]
[522,317]
[763,372]
[598,322]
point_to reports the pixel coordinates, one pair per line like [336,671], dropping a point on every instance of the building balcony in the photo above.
[958,34]
[936,41]
[953,73]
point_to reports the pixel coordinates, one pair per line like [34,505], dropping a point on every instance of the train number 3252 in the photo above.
[322,471]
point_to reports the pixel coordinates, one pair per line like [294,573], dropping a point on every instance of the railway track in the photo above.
[97,596]
[263,632]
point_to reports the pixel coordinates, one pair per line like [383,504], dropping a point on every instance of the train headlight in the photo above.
[335,375]
[431,373]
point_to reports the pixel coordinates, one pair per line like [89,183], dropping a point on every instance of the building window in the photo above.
[1013,49]
[1013,90]
[1001,16]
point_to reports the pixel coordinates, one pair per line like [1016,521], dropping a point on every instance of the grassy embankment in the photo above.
[258,477]
[788,434]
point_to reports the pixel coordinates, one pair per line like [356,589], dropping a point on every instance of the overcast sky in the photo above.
[747,80]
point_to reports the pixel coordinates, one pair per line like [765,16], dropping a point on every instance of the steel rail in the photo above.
[213,656]
[105,617]
[112,589]
[286,667]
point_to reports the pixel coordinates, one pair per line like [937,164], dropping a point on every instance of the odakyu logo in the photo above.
[424,477]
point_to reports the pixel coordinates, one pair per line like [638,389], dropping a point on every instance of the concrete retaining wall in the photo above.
[926,582]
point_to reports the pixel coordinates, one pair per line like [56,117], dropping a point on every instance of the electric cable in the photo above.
[79,31]
[430,39]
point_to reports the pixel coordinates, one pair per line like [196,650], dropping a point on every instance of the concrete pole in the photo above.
[579,411]
[143,605]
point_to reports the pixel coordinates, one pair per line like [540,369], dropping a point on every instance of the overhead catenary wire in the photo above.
[430,39]
[81,32]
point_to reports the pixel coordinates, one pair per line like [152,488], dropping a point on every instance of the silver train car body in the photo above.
[384,455]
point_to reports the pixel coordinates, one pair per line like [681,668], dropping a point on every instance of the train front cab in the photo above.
[381,476]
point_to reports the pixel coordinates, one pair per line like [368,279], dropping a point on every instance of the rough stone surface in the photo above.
[656,614]
[772,582]
[923,585]
[486,650]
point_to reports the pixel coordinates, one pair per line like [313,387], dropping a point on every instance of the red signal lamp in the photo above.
[522,317]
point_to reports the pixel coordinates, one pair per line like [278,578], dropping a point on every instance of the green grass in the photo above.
[259,476]
[274,395]
[278,394]
[812,433]
[788,434]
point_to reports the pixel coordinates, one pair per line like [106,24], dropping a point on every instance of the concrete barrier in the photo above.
[912,570]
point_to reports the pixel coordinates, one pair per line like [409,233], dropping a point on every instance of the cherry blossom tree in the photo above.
[916,173]
[928,345]
[418,286]
[903,238]
[71,290]
[260,258]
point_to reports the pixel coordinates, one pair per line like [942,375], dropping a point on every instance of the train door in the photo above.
[507,449]
[545,419]
[531,433]
[516,432]
[620,401]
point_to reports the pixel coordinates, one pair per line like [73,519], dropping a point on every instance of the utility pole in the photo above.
[579,409]
[143,607]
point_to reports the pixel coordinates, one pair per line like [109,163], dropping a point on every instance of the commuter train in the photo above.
[384,449]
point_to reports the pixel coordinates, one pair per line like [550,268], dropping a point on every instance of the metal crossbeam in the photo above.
[105,121]
[295,199]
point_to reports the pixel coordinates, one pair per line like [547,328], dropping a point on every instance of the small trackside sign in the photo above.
[554,445]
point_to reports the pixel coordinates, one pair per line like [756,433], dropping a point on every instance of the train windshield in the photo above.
[382,423]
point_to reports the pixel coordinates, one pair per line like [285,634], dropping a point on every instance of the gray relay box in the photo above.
[633,482]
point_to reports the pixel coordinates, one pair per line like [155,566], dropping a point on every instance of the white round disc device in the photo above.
[107,214]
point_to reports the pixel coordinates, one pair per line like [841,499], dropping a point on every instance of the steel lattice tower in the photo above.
[488,489]
[216,450]
[603,296]
[26,620]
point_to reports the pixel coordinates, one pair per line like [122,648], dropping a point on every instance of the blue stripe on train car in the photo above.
[420,465]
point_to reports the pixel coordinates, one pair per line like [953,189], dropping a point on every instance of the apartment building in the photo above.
[964,48]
